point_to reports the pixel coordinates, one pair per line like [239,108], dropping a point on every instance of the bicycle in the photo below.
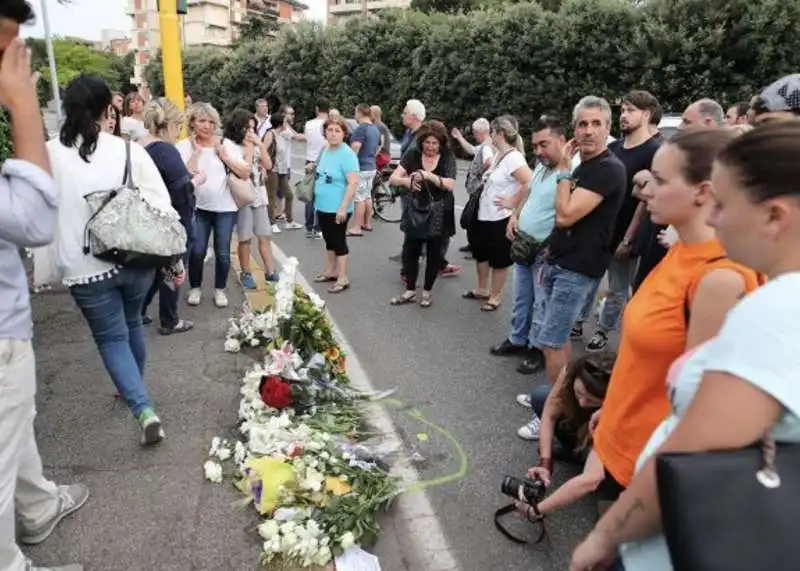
[386,202]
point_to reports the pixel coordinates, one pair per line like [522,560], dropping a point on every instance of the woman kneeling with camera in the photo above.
[565,432]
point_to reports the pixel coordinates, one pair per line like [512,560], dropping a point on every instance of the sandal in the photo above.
[324,278]
[403,299]
[355,234]
[472,294]
[338,287]
[367,228]
[490,306]
[425,301]
[181,327]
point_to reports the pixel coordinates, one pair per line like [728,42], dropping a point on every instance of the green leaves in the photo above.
[525,58]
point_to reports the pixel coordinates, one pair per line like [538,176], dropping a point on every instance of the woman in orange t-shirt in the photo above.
[681,304]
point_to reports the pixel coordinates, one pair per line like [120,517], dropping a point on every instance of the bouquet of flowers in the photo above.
[302,462]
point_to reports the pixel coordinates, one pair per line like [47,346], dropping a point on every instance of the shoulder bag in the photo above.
[125,229]
[304,188]
[470,213]
[424,216]
[732,510]
[242,189]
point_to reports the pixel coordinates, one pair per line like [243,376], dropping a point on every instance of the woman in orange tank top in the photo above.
[681,304]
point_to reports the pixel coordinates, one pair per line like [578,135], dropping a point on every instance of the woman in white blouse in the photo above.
[216,211]
[86,159]
[132,124]
[490,247]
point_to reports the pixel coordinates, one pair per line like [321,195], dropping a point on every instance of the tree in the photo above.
[443,6]
[257,27]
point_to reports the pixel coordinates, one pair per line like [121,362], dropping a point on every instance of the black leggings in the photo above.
[334,234]
[433,262]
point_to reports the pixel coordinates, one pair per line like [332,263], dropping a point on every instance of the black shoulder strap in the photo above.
[686,310]
[511,508]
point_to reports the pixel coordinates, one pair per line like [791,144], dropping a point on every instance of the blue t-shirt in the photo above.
[370,138]
[332,170]
[538,216]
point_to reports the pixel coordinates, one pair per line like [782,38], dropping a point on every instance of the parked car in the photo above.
[669,125]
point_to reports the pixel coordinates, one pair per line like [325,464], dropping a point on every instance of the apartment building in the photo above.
[206,23]
[340,10]
[291,11]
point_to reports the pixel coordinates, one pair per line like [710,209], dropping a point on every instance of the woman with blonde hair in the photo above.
[486,235]
[164,121]
[216,210]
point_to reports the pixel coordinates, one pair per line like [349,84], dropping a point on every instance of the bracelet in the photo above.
[546,463]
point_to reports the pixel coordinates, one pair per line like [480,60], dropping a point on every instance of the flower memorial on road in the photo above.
[304,459]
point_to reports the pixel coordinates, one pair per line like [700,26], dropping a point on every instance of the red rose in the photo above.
[276,393]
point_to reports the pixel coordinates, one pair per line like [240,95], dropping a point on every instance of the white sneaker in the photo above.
[276,229]
[220,298]
[293,226]
[209,256]
[531,430]
[194,296]
[525,400]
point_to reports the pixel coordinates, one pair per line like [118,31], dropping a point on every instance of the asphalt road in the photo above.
[438,360]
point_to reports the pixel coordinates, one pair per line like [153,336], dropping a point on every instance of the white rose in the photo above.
[213,472]
[347,540]
[290,540]
[323,557]
[287,527]
[232,346]
[224,453]
[254,342]
[269,529]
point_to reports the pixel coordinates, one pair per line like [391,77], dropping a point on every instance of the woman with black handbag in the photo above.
[429,172]
[712,492]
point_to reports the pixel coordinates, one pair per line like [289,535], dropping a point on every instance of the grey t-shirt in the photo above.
[387,138]
[370,138]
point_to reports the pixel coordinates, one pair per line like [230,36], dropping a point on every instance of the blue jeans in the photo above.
[526,316]
[312,225]
[565,294]
[113,310]
[620,279]
[221,223]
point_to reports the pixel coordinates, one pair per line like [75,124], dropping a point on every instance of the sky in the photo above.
[86,18]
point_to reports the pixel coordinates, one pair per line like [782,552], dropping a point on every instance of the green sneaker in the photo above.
[152,433]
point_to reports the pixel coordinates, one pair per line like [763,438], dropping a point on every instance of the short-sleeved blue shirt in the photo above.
[332,170]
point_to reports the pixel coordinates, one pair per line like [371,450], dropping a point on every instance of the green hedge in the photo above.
[518,58]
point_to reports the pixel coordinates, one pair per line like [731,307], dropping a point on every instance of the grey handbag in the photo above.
[125,229]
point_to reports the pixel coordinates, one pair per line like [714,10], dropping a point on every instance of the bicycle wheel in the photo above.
[386,204]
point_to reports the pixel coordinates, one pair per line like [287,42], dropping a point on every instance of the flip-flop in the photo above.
[472,294]
[338,288]
[367,228]
[355,234]
[322,278]
[403,299]
[489,306]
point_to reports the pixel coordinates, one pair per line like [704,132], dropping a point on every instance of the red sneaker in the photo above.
[449,270]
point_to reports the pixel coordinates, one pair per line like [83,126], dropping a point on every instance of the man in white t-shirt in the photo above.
[262,117]
[314,132]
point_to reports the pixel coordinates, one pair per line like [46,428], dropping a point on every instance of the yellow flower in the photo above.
[337,487]
[331,354]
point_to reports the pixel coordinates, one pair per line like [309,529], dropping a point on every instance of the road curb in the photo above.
[421,542]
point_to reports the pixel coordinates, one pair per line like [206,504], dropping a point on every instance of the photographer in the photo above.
[565,432]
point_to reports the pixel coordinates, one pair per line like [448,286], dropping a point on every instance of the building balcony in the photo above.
[354,6]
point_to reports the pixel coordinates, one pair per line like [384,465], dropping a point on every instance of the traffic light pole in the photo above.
[171,51]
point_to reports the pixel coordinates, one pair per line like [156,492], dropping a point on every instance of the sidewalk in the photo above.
[152,509]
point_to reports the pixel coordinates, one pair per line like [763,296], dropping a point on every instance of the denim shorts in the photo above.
[364,191]
[565,294]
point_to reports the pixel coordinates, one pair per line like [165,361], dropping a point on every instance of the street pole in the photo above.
[171,52]
[52,60]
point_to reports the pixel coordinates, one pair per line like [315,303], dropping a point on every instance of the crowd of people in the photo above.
[698,235]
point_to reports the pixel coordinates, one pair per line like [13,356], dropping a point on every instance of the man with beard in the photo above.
[534,215]
[636,150]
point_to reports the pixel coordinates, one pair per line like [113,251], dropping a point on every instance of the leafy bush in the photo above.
[510,58]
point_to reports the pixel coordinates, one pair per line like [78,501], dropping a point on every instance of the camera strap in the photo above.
[511,508]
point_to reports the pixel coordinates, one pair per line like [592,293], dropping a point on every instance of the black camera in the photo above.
[530,491]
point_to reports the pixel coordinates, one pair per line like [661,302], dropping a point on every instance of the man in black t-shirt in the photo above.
[636,151]
[587,203]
